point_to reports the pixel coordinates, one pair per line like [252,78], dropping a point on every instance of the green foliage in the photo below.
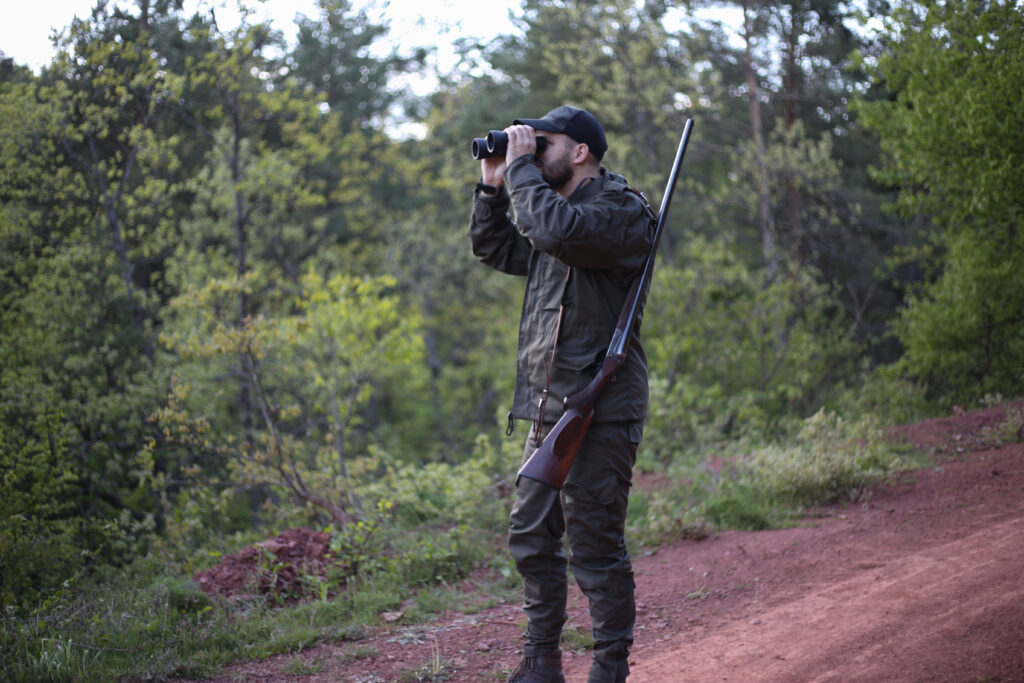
[830,460]
[335,56]
[356,554]
[666,515]
[883,392]
[1010,430]
[810,224]
[296,666]
[735,352]
[101,633]
[963,333]
[86,183]
[310,374]
[756,485]
[441,521]
[577,640]
[742,509]
[40,538]
[625,67]
[948,67]
[474,491]
[141,630]
[438,556]
[954,142]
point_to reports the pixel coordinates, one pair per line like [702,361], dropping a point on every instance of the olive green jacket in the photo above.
[602,234]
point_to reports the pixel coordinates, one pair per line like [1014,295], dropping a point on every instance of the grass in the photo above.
[577,639]
[434,670]
[128,625]
[297,666]
[1010,430]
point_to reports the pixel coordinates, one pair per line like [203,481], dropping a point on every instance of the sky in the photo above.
[26,25]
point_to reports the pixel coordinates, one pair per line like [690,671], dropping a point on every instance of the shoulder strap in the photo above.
[538,426]
[643,199]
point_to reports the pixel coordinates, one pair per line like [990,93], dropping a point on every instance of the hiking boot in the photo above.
[546,668]
[601,672]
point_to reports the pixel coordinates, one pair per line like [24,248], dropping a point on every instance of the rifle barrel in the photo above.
[620,340]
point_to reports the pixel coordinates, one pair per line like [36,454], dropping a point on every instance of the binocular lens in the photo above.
[496,144]
[480,148]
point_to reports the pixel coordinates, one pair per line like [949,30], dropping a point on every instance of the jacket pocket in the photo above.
[583,362]
[583,351]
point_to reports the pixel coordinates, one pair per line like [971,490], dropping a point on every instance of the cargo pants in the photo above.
[591,510]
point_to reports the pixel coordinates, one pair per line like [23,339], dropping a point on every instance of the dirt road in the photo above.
[951,611]
[923,581]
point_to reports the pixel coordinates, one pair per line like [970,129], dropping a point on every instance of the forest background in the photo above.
[236,294]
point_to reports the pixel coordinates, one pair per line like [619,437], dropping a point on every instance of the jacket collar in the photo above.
[589,187]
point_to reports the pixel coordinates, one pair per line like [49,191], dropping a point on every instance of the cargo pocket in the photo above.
[636,433]
[601,493]
[595,517]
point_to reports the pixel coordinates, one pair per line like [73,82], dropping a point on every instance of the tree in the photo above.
[954,141]
[88,185]
[784,75]
[310,375]
[333,57]
[252,197]
[736,353]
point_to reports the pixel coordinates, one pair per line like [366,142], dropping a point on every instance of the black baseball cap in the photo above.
[579,124]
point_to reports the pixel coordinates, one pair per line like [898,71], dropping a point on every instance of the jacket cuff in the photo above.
[487,190]
[486,205]
[527,162]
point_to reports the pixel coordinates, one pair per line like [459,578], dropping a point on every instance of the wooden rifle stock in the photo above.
[550,462]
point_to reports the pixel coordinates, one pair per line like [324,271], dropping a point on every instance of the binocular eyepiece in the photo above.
[496,144]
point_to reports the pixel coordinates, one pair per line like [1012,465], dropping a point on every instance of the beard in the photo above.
[558,173]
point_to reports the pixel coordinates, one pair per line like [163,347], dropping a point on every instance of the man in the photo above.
[580,235]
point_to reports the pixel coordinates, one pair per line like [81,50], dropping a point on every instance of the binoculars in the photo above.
[496,144]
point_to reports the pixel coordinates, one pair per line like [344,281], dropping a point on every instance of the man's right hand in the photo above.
[492,171]
[522,140]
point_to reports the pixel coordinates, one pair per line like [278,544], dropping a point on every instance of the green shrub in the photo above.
[737,352]
[441,556]
[664,516]
[831,459]
[40,533]
[740,509]
[885,393]
[1010,430]
[474,491]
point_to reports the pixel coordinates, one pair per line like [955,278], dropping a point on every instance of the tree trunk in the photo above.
[241,262]
[767,224]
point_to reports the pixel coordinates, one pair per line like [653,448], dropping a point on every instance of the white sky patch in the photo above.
[27,26]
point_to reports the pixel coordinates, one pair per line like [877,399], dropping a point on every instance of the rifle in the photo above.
[550,463]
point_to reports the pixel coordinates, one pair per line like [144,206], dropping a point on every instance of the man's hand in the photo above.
[521,140]
[492,171]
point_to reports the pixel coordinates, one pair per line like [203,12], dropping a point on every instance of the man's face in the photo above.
[556,161]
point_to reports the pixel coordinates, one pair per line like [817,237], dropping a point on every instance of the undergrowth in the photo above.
[436,525]
[742,485]
[124,626]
